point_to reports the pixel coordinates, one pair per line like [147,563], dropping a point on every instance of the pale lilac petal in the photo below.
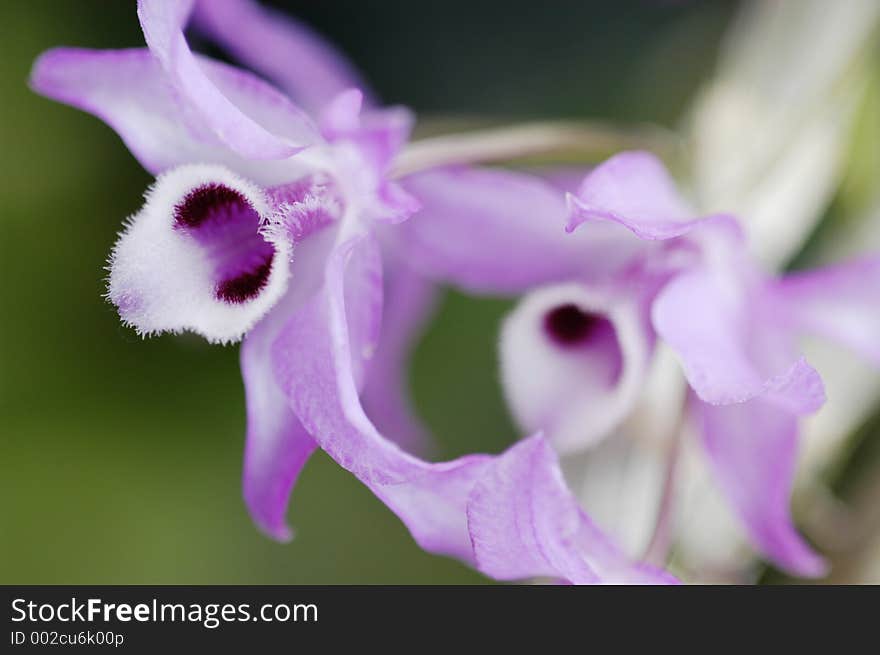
[566,179]
[752,450]
[731,341]
[195,257]
[163,22]
[379,133]
[841,303]
[408,302]
[319,358]
[635,190]
[342,114]
[574,358]
[129,91]
[495,231]
[287,52]
[365,143]
[277,446]
[524,521]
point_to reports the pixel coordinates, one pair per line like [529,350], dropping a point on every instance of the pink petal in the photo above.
[319,359]
[408,304]
[524,521]
[129,91]
[163,22]
[752,449]
[494,231]
[286,51]
[732,344]
[841,303]
[277,446]
[635,190]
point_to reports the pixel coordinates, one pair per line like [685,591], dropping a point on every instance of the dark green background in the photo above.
[120,458]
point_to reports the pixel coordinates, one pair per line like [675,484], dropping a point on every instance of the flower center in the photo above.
[227,227]
[568,325]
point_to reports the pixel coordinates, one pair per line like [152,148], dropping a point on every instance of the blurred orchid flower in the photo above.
[575,353]
[769,135]
[264,222]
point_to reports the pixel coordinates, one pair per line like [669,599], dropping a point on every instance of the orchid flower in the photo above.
[576,351]
[768,135]
[264,224]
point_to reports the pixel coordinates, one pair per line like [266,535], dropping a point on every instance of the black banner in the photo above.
[147,618]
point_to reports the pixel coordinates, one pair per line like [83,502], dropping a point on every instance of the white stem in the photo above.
[657,551]
[527,140]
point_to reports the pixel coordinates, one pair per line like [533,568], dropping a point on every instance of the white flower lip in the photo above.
[573,363]
[195,257]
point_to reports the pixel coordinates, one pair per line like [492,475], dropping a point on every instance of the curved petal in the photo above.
[291,54]
[841,303]
[195,258]
[573,361]
[752,450]
[407,304]
[319,359]
[277,446]
[316,359]
[128,90]
[364,146]
[524,521]
[163,22]
[731,342]
[495,231]
[380,133]
[635,190]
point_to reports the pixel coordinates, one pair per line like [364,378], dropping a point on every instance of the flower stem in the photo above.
[555,140]
[657,551]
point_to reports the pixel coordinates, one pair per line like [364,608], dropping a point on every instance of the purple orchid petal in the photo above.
[731,341]
[841,303]
[309,68]
[635,190]
[128,90]
[365,144]
[380,132]
[574,360]
[566,179]
[408,302]
[319,360]
[163,22]
[341,116]
[494,231]
[277,445]
[752,449]
[524,521]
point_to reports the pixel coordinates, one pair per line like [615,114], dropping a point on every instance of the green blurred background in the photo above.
[120,458]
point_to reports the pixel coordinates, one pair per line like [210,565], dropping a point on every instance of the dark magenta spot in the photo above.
[247,284]
[568,325]
[210,202]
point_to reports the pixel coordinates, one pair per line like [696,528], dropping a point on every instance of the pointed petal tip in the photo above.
[49,68]
[280,532]
[788,550]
